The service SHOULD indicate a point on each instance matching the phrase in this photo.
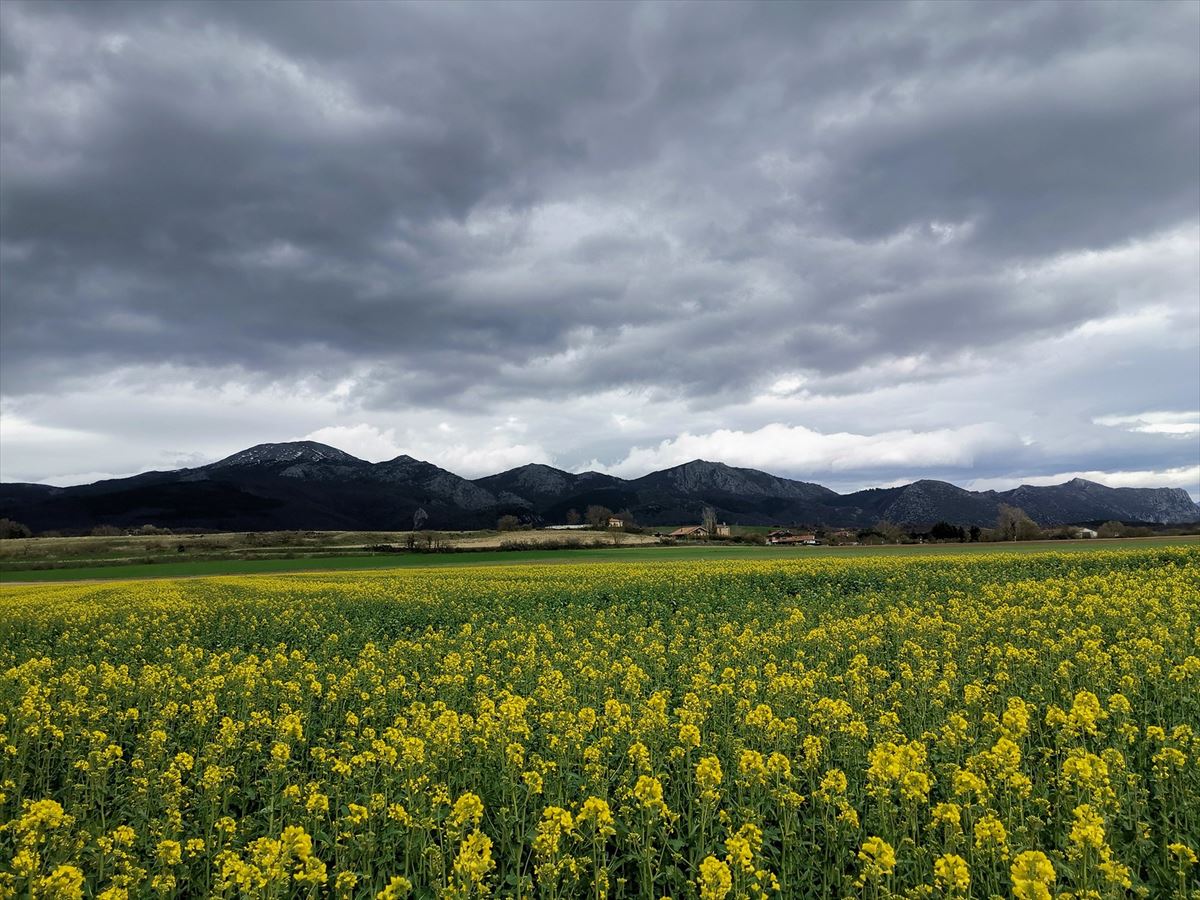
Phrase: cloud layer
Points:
(856, 241)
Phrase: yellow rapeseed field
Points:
(1017, 726)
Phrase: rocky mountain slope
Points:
(307, 485)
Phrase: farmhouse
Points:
(1085, 533)
(616, 522)
(789, 538)
(699, 531)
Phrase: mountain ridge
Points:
(310, 485)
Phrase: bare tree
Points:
(508, 523)
(11, 529)
(890, 532)
(434, 541)
(708, 521)
(1014, 525)
(419, 518)
(598, 516)
(573, 517)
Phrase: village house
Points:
(616, 522)
(787, 537)
(699, 531)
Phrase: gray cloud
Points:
(461, 211)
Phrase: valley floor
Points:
(103, 559)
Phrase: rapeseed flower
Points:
(1032, 874)
(715, 881)
(878, 860)
(951, 872)
(609, 730)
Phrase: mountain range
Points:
(312, 486)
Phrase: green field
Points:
(32, 553)
(652, 553)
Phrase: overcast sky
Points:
(845, 242)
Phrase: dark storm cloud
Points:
(221, 183)
(463, 205)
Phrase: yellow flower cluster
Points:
(1032, 874)
(1022, 726)
(952, 874)
(715, 880)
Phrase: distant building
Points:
(843, 537)
(616, 522)
(1085, 533)
(699, 531)
(786, 537)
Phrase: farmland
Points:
(105, 558)
(949, 725)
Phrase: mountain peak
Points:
(287, 452)
(536, 467)
(702, 476)
(696, 468)
(932, 484)
(531, 479)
